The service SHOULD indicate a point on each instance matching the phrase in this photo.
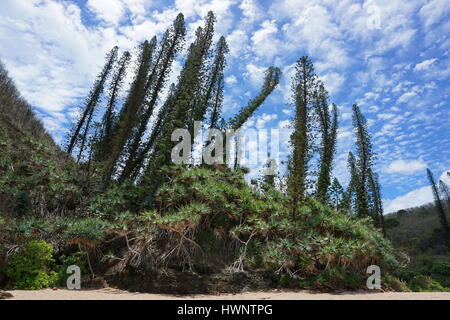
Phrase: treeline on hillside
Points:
(416, 230)
(14, 106)
(423, 229)
(132, 140)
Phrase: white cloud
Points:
(237, 42)
(385, 116)
(251, 10)
(255, 74)
(264, 40)
(445, 177)
(406, 97)
(412, 199)
(110, 11)
(231, 80)
(265, 118)
(57, 57)
(333, 81)
(424, 65)
(405, 166)
(433, 11)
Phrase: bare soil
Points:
(115, 294)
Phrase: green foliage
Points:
(304, 87)
(426, 273)
(29, 267)
(421, 283)
(391, 223)
(328, 124)
(91, 229)
(394, 283)
(320, 244)
(34, 179)
(80, 130)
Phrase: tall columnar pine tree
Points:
(210, 97)
(439, 206)
(304, 86)
(217, 89)
(271, 81)
(364, 161)
(445, 194)
(170, 46)
(328, 125)
(376, 200)
(350, 193)
(189, 82)
(109, 117)
(131, 110)
(336, 194)
(160, 122)
(77, 133)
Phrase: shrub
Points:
(425, 283)
(29, 267)
(256, 231)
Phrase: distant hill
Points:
(416, 230)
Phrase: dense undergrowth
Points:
(207, 221)
(36, 178)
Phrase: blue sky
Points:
(390, 57)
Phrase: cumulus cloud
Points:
(255, 74)
(251, 10)
(445, 177)
(265, 43)
(406, 166)
(57, 56)
(333, 81)
(110, 11)
(412, 199)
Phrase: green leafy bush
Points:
(29, 267)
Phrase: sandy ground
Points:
(114, 294)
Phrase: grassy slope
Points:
(35, 175)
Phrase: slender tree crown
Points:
(328, 126)
(78, 134)
(364, 161)
(304, 90)
(439, 206)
